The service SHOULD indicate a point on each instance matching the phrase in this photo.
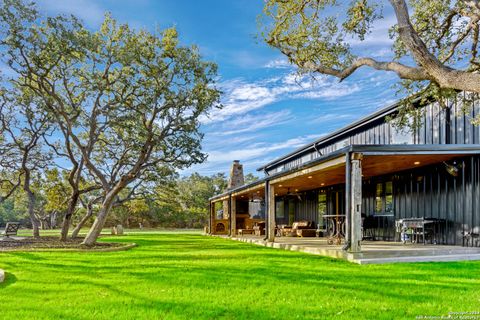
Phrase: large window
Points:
(384, 197)
(280, 209)
(322, 206)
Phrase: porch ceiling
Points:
(250, 193)
(328, 173)
(311, 181)
(372, 165)
(375, 165)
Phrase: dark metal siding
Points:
(307, 209)
(423, 192)
(432, 192)
(440, 126)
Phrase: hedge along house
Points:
(369, 172)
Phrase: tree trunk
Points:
(31, 212)
(97, 226)
(67, 218)
(82, 222)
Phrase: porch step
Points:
(429, 258)
(375, 254)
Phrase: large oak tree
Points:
(435, 42)
(129, 100)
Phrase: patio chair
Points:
(11, 229)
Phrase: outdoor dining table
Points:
(335, 227)
(419, 228)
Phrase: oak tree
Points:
(435, 48)
(129, 100)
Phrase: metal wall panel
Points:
(440, 126)
(422, 192)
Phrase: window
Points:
(379, 197)
(291, 211)
(388, 196)
(280, 209)
(322, 206)
(384, 197)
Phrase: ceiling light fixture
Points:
(416, 163)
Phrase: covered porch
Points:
(355, 195)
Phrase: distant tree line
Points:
(180, 202)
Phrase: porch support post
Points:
(233, 216)
(212, 217)
(356, 202)
(270, 197)
(209, 231)
(229, 213)
(348, 206)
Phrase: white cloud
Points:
(241, 96)
(281, 63)
(330, 93)
(258, 149)
(87, 10)
(252, 156)
(378, 35)
(253, 122)
(332, 117)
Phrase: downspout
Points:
(348, 199)
(316, 149)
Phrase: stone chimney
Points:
(234, 180)
(236, 175)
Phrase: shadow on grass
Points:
(175, 276)
(9, 280)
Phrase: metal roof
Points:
(311, 146)
(390, 149)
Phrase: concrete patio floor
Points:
(373, 252)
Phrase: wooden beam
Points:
(348, 206)
(212, 217)
(225, 197)
(356, 203)
(271, 213)
(233, 218)
(258, 187)
(321, 166)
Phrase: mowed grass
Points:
(174, 275)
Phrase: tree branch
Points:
(444, 76)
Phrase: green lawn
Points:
(190, 276)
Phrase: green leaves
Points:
(360, 17)
(310, 31)
(435, 49)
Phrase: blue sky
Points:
(268, 111)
